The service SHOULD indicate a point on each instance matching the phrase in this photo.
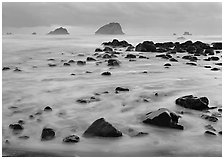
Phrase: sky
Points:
(136, 18)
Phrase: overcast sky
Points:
(135, 18)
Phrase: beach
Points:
(26, 92)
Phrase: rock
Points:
(142, 57)
(87, 100)
(90, 59)
(89, 72)
(220, 109)
(130, 56)
(206, 66)
(72, 74)
(21, 122)
(106, 56)
(120, 89)
(34, 33)
(17, 70)
(16, 127)
(214, 58)
(209, 51)
(81, 62)
(52, 65)
(219, 64)
(209, 118)
(31, 117)
(163, 117)
(215, 69)
(106, 73)
(25, 137)
(164, 56)
(167, 64)
(191, 63)
(47, 109)
(71, 139)
(146, 46)
(108, 49)
(191, 49)
(192, 102)
(66, 64)
(209, 133)
(111, 28)
(102, 128)
(217, 46)
(98, 50)
(116, 43)
(130, 48)
(173, 60)
(71, 61)
(59, 31)
(210, 127)
(220, 132)
(131, 60)
(47, 134)
(113, 62)
(5, 68)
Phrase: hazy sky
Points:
(202, 18)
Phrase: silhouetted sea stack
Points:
(111, 28)
(59, 31)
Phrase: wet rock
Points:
(25, 137)
(141, 134)
(52, 65)
(173, 60)
(217, 46)
(146, 46)
(209, 133)
(113, 62)
(167, 64)
(16, 126)
(219, 64)
(191, 49)
(192, 102)
(102, 128)
(206, 66)
(21, 122)
(66, 64)
(220, 109)
(81, 62)
(164, 118)
(47, 134)
(106, 56)
(71, 139)
(130, 56)
(209, 51)
(120, 89)
(191, 63)
(5, 68)
(47, 109)
(142, 57)
(106, 73)
(220, 132)
(71, 61)
(109, 49)
(98, 50)
(17, 70)
(209, 118)
(214, 58)
(210, 127)
(215, 69)
(90, 59)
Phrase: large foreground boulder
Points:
(163, 117)
(102, 128)
(192, 102)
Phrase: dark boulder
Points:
(47, 109)
(108, 49)
(191, 49)
(146, 46)
(71, 139)
(121, 89)
(209, 51)
(106, 56)
(164, 118)
(219, 64)
(113, 62)
(217, 46)
(192, 102)
(52, 65)
(209, 133)
(90, 59)
(173, 60)
(167, 64)
(215, 69)
(98, 50)
(117, 43)
(214, 58)
(66, 64)
(16, 127)
(206, 66)
(71, 61)
(111, 29)
(209, 118)
(5, 68)
(17, 70)
(102, 128)
(58, 31)
(130, 56)
(47, 134)
(81, 62)
(191, 63)
(106, 73)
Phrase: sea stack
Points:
(111, 29)
(59, 31)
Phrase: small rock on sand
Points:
(47, 134)
(47, 109)
(71, 139)
(106, 73)
(210, 133)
